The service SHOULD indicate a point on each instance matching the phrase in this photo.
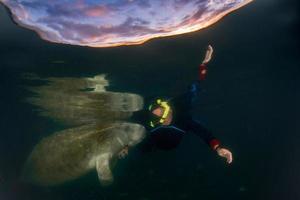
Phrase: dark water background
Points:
(251, 102)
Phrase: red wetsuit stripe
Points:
(202, 71)
(214, 143)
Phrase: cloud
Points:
(104, 23)
(96, 11)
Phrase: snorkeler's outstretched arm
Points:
(208, 54)
(203, 65)
(195, 88)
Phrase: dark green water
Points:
(251, 102)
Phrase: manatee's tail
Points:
(79, 101)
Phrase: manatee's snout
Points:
(136, 137)
(135, 133)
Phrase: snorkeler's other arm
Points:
(203, 65)
(209, 139)
(215, 145)
(196, 127)
(225, 153)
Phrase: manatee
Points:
(71, 153)
(97, 131)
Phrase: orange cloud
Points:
(96, 11)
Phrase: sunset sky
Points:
(116, 22)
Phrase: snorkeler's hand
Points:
(225, 153)
(123, 153)
(208, 54)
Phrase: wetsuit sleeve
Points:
(203, 133)
(195, 87)
(202, 72)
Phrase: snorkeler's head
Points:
(161, 113)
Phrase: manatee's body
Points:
(72, 153)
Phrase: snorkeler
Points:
(111, 123)
(168, 120)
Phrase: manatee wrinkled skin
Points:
(71, 153)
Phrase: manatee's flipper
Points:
(79, 101)
(121, 135)
(103, 168)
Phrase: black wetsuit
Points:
(169, 137)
